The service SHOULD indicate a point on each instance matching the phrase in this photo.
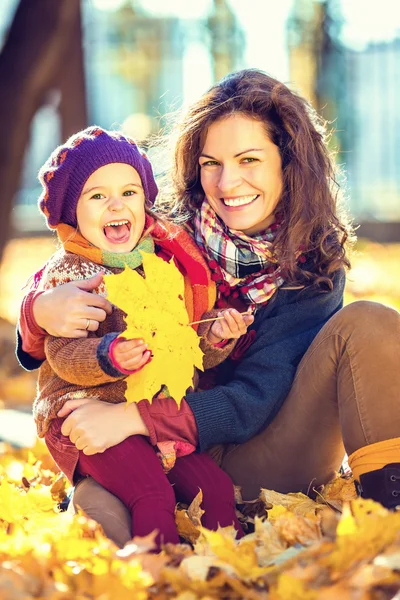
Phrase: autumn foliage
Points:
(333, 548)
(295, 549)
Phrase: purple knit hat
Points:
(65, 173)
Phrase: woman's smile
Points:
(239, 201)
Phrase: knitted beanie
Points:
(65, 173)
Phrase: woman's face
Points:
(110, 209)
(241, 173)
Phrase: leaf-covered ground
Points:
(295, 548)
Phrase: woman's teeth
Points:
(242, 201)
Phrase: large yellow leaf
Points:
(156, 313)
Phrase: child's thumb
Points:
(89, 284)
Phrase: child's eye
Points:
(97, 196)
(129, 193)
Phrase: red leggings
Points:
(132, 472)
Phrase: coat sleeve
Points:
(260, 382)
(165, 421)
(82, 361)
(30, 337)
(213, 355)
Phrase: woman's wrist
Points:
(131, 420)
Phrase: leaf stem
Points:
(215, 318)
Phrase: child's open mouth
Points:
(117, 232)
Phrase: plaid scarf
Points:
(240, 263)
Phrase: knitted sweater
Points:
(76, 368)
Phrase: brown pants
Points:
(346, 394)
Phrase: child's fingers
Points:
(130, 346)
(248, 319)
(137, 363)
(228, 325)
(236, 322)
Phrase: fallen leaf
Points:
(299, 503)
(195, 512)
(188, 521)
(337, 492)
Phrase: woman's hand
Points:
(71, 310)
(93, 425)
(131, 355)
(231, 326)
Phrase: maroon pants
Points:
(132, 472)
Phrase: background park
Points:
(65, 64)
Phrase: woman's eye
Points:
(209, 163)
(249, 159)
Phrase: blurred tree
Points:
(42, 51)
(227, 39)
(318, 63)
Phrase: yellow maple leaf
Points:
(156, 313)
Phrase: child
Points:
(97, 192)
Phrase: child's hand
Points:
(131, 355)
(233, 325)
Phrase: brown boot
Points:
(382, 485)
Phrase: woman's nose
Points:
(229, 179)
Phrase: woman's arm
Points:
(100, 425)
(63, 311)
(259, 384)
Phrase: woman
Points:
(311, 380)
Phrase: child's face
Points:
(110, 209)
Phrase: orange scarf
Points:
(171, 241)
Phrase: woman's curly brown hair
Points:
(310, 207)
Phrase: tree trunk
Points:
(37, 43)
(71, 83)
